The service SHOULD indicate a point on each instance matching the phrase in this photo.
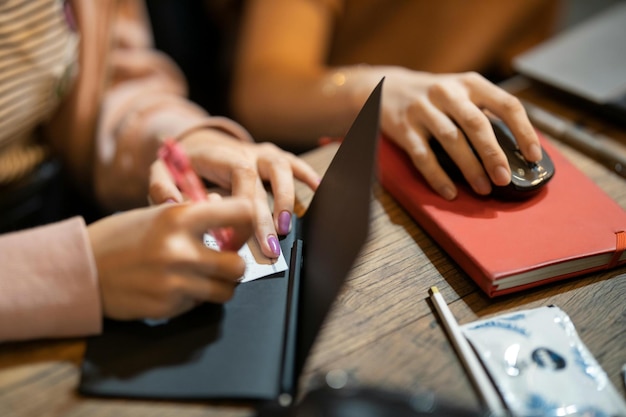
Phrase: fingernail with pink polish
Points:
(274, 245)
(170, 200)
(284, 222)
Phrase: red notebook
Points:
(571, 227)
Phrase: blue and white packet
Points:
(541, 367)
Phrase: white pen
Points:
(600, 147)
(472, 364)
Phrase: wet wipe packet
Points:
(541, 367)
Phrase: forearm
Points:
(282, 91)
(144, 103)
(295, 108)
(127, 143)
(48, 283)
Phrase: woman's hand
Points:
(242, 167)
(451, 108)
(152, 262)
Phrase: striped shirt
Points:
(38, 55)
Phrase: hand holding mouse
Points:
(527, 177)
(451, 109)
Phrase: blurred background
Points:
(201, 36)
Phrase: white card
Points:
(257, 264)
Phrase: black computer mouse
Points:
(527, 178)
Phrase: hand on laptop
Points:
(242, 167)
(152, 262)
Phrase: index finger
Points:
(229, 212)
(247, 184)
(304, 172)
(473, 121)
(510, 109)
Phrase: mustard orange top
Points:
(438, 36)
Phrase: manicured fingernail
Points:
(284, 222)
(502, 176)
(448, 192)
(482, 186)
(170, 200)
(535, 153)
(274, 245)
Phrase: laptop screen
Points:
(336, 222)
(252, 347)
(587, 61)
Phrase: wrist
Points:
(220, 125)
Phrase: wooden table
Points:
(382, 329)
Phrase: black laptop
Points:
(254, 346)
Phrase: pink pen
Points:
(188, 181)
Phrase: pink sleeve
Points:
(145, 102)
(48, 283)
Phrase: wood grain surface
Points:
(382, 329)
